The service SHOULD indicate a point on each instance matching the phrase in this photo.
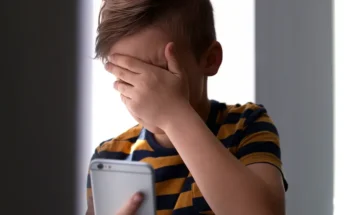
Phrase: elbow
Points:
(275, 206)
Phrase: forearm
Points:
(226, 184)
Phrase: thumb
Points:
(131, 207)
(172, 59)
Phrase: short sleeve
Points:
(260, 141)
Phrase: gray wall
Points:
(39, 151)
(294, 80)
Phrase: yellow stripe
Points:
(164, 212)
(233, 150)
(264, 118)
(184, 200)
(261, 157)
(163, 161)
(141, 145)
(196, 191)
(116, 146)
(229, 129)
(132, 132)
(168, 187)
(261, 136)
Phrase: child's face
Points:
(149, 46)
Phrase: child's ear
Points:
(212, 59)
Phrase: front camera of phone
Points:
(100, 166)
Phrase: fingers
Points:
(172, 60)
(121, 73)
(124, 88)
(131, 207)
(129, 63)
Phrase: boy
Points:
(208, 157)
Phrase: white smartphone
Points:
(114, 182)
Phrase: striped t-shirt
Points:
(246, 131)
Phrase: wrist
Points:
(178, 114)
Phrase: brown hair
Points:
(187, 21)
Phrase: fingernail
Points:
(138, 198)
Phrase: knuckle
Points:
(116, 85)
(120, 74)
(107, 66)
(120, 87)
(112, 58)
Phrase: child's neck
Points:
(203, 109)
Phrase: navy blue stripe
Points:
(166, 202)
(141, 154)
(184, 211)
(250, 114)
(232, 118)
(200, 204)
(269, 147)
(211, 121)
(133, 139)
(247, 113)
(215, 129)
(112, 155)
(95, 155)
(160, 150)
(171, 172)
(89, 184)
(258, 127)
(253, 116)
(136, 156)
(102, 143)
(233, 140)
(187, 184)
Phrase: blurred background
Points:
(289, 55)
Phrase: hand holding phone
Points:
(122, 187)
